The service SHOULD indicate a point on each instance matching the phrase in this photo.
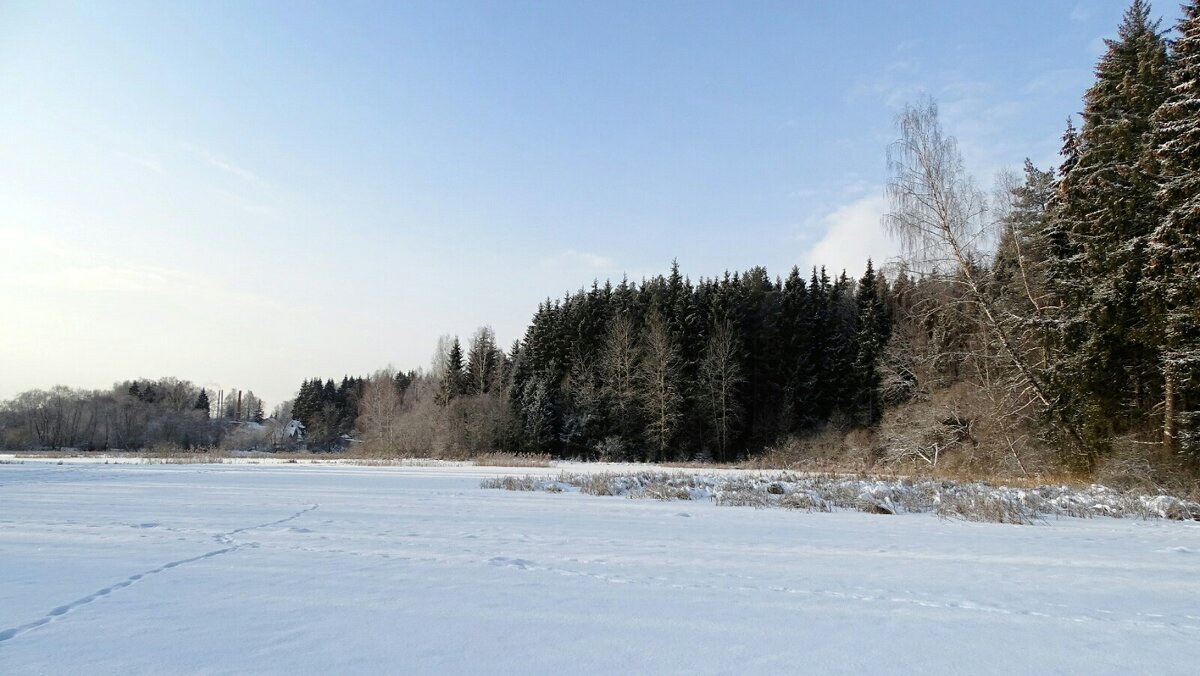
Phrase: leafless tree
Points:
(619, 366)
(483, 361)
(721, 374)
(379, 412)
(659, 384)
(441, 356)
(942, 220)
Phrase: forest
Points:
(1048, 325)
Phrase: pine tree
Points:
(1173, 267)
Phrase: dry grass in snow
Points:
(971, 501)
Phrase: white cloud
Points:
(143, 279)
(34, 260)
(25, 246)
(223, 164)
(144, 161)
(575, 260)
(853, 233)
(894, 91)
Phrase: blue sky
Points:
(249, 194)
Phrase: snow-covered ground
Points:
(304, 569)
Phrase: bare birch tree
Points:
(721, 374)
(942, 221)
(441, 356)
(660, 391)
(619, 364)
(483, 361)
(379, 413)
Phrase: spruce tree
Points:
(870, 338)
(1110, 207)
(1063, 328)
(483, 362)
(1173, 265)
(202, 404)
(1017, 270)
(453, 379)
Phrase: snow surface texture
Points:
(330, 569)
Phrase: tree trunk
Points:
(1169, 418)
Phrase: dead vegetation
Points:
(512, 483)
(968, 501)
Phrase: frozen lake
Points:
(108, 569)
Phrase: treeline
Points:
(661, 370)
(132, 415)
(1056, 324)
(669, 370)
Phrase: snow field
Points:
(331, 569)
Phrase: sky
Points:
(248, 194)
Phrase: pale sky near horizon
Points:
(250, 194)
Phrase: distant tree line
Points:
(132, 415)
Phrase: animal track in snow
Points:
(223, 538)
